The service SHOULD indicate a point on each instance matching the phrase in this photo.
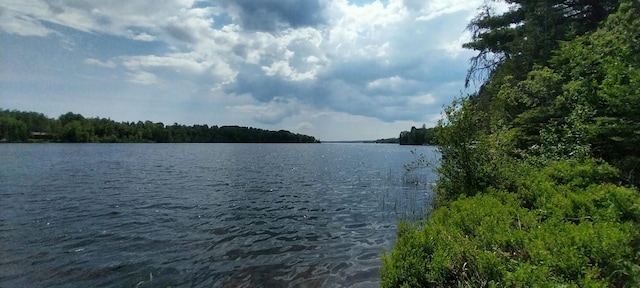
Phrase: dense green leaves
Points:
(418, 136)
(530, 191)
(13, 129)
(527, 34)
(17, 126)
(585, 100)
(599, 103)
(569, 235)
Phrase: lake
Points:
(204, 215)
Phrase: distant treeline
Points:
(418, 136)
(19, 126)
(388, 141)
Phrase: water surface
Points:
(203, 215)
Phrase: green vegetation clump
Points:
(564, 225)
(18, 126)
(417, 136)
(539, 172)
(387, 141)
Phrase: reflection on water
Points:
(205, 215)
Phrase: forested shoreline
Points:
(23, 127)
(539, 184)
(418, 136)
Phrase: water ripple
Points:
(200, 215)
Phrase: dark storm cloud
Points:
(269, 15)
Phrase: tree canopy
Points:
(418, 136)
(540, 169)
(527, 34)
(580, 92)
(19, 126)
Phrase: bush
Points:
(472, 159)
(577, 231)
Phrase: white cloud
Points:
(385, 61)
(142, 77)
(110, 16)
(21, 24)
(179, 61)
(143, 37)
(436, 8)
(363, 30)
(96, 62)
(390, 84)
(426, 99)
(454, 48)
(181, 65)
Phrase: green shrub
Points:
(577, 231)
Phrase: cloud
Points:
(142, 37)
(142, 77)
(109, 16)
(96, 62)
(21, 24)
(433, 9)
(426, 99)
(329, 125)
(273, 15)
(271, 113)
(396, 61)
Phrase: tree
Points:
(586, 99)
(77, 132)
(70, 127)
(526, 34)
(11, 129)
(70, 117)
(523, 188)
(417, 136)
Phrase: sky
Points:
(332, 69)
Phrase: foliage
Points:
(18, 126)
(12, 129)
(527, 34)
(387, 141)
(587, 100)
(472, 159)
(581, 104)
(417, 136)
(530, 192)
(420, 162)
(576, 230)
